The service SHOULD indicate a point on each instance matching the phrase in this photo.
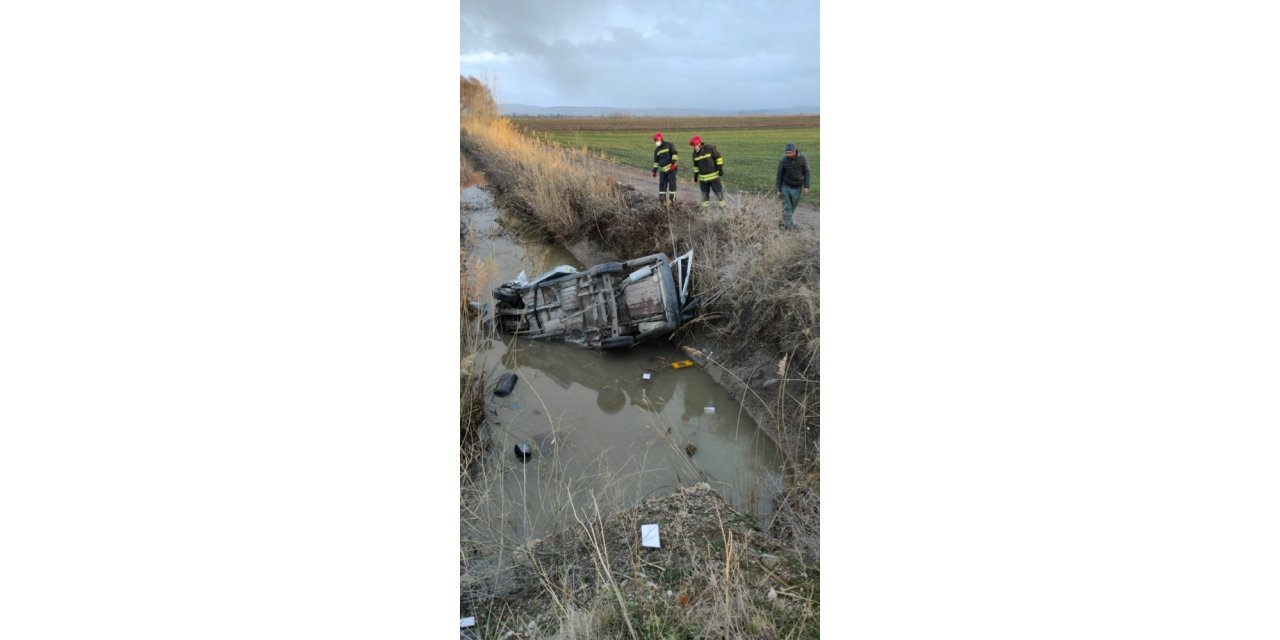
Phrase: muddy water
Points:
(607, 429)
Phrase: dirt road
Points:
(806, 215)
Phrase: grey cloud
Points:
(740, 55)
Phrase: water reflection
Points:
(643, 378)
(629, 414)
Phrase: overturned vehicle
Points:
(614, 305)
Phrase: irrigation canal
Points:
(606, 429)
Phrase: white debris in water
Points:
(710, 409)
(647, 375)
(467, 622)
(649, 536)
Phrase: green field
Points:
(750, 154)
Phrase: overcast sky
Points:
(745, 54)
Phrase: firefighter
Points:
(708, 169)
(664, 168)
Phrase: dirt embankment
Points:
(743, 373)
(806, 215)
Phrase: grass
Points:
(750, 154)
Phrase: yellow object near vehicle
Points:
(681, 364)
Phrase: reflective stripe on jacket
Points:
(663, 155)
(707, 163)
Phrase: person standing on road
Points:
(708, 169)
(664, 167)
(792, 181)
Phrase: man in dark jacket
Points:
(708, 169)
(664, 167)
(792, 181)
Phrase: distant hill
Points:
(532, 110)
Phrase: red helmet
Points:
(695, 141)
(657, 136)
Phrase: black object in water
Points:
(523, 451)
(506, 383)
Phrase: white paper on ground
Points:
(467, 622)
(649, 535)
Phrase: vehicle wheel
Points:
(508, 296)
(618, 342)
(603, 268)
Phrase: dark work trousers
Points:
(667, 186)
(706, 192)
(790, 200)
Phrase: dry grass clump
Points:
(796, 518)
(760, 282)
(471, 383)
(645, 228)
(471, 374)
(557, 187)
(715, 576)
(475, 98)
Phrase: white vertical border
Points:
(1050, 320)
(226, 410)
